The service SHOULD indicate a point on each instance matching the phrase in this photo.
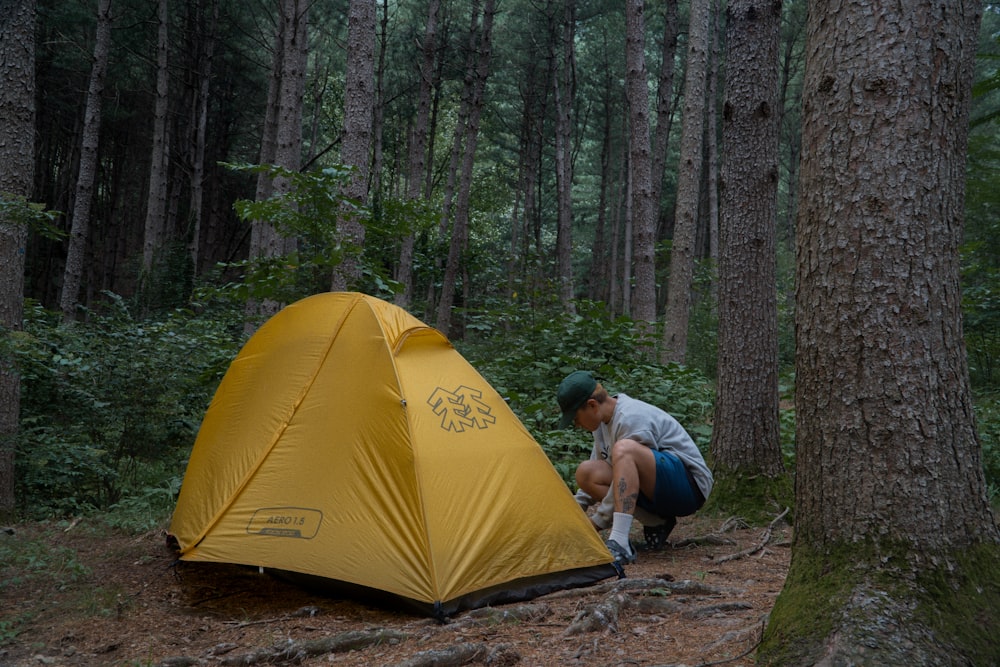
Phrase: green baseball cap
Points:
(573, 392)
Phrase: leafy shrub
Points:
(107, 401)
(524, 351)
(988, 422)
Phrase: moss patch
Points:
(887, 603)
(755, 498)
(961, 602)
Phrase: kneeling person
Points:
(643, 463)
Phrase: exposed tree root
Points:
(294, 652)
(453, 656)
(760, 545)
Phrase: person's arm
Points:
(605, 512)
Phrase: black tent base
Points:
(519, 590)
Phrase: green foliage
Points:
(24, 559)
(525, 349)
(307, 208)
(18, 210)
(110, 406)
(988, 423)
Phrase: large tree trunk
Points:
(17, 162)
(682, 254)
(640, 167)
(896, 550)
(745, 442)
(359, 100)
(80, 226)
(156, 201)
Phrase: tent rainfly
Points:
(350, 446)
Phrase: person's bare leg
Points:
(633, 471)
(594, 477)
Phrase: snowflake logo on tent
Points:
(461, 409)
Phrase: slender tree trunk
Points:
(281, 141)
(640, 167)
(601, 252)
(80, 227)
(711, 247)
(745, 440)
(460, 227)
(664, 105)
(563, 95)
(156, 202)
(895, 554)
(682, 254)
(359, 100)
(417, 164)
(17, 162)
(200, 139)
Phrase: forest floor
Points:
(79, 594)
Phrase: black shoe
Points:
(656, 536)
(622, 556)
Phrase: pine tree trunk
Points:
(156, 202)
(200, 139)
(682, 254)
(664, 103)
(563, 95)
(640, 164)
(460, 227)
(417, 163)
(80, 227)
(745, 439)
(17, 162)
(359, 100)
(896, 549)
(281, 141)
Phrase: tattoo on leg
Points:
(629, 501)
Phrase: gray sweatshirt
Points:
(648, 424)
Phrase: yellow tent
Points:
(351, 444)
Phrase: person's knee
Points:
(592, 476)
(626, 448)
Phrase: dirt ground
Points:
(130, 605)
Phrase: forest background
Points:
(495, 201)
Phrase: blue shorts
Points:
(676, 492)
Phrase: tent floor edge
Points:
(518, 590)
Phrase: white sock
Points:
(620, 528)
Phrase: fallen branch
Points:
(294, 652)
(760, 545)
(453, 656)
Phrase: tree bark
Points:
(664, 104)
(417, 163)
(200, 138)
(896, 549)
(80, 227)
(156, 201)
(745, 435)
(17, 161)
(682, 254)
(359, 100)
(640, 167)
(281, 140)
(563, 95)
(479, 72)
